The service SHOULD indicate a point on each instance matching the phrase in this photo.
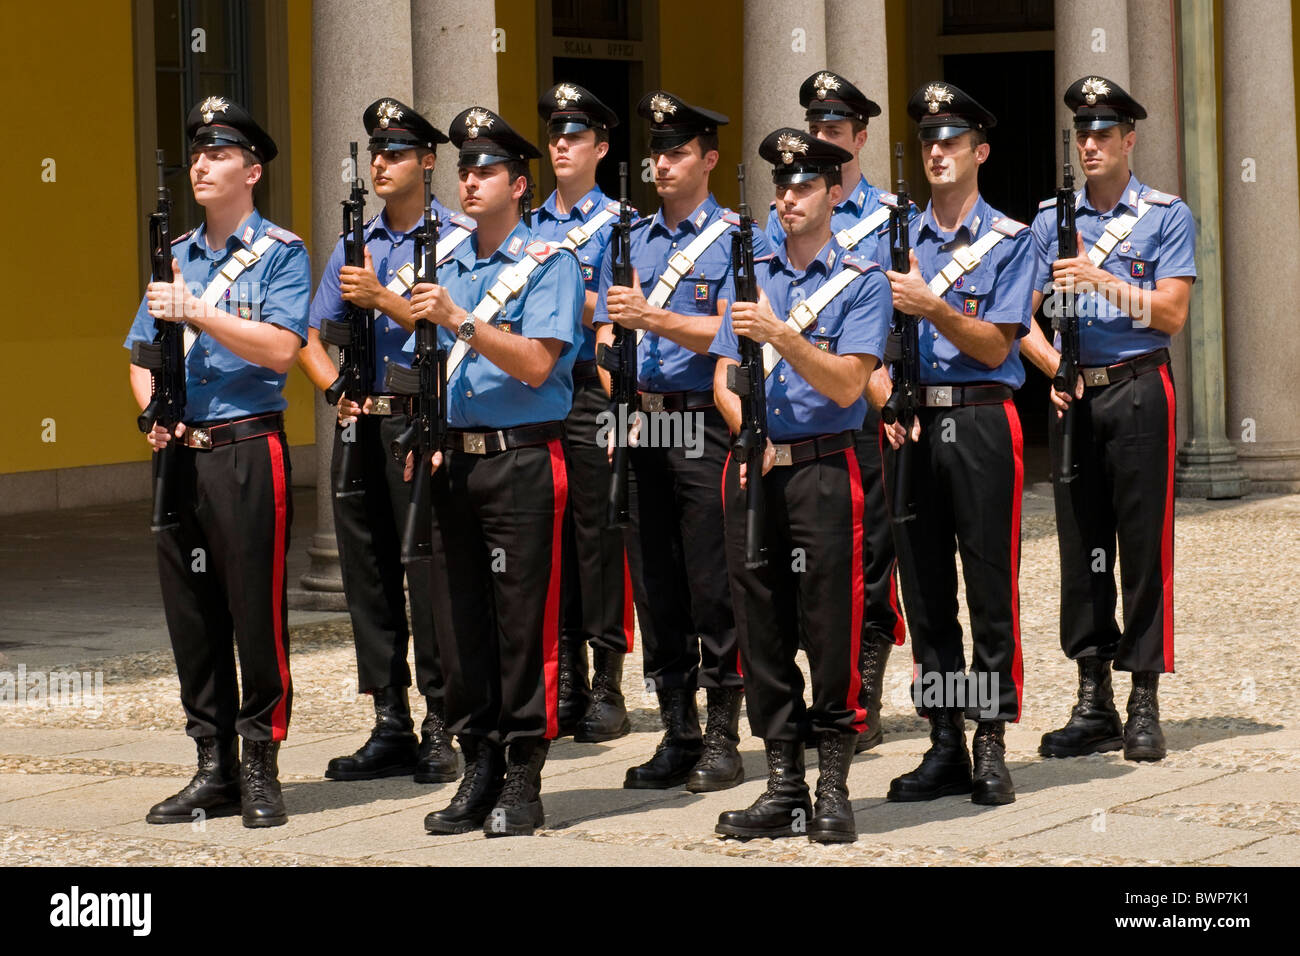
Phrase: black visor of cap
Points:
(672, 137)
(943, 127)
(789, 175)
(1099, 119)
(221, 136)
(487, 155)
(830, 111)
(571, 123)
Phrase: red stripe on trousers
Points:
(859, 591)
(629, 610)
(1018, 449)
(900, 628)
(551, 624)
(279, 719)
(1167, 531)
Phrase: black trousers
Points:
(967, 479)
(882, 617)
(496, 589)
(222, 575)
(597, 583)
(809, 594)
(676, 552)
(368, 528)
(1124, 491)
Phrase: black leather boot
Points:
(213, 791)
(871, 662)
(720, 766)
(945, 768)
(1094, 725)
(436, 760)
(391, 749)
(1143, 738)
(574, 692)
(485, 767)
(783, 809)
(992, 785)
(518, 810)
(678, 750)
(832, 819)
(259, 785)
(606, 716)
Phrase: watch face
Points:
(466, 331)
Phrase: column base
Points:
(1206, 470)
(322, 585)
(1272, 467)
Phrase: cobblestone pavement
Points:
(76, 778)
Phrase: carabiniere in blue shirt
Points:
(548, 224)
(857, 205)
(855, 322)
(999, 289)
(1162, 244)
(390, 250)
(663, 365)
(481, 395)
(219, 385)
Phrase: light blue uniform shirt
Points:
(855, 322)
(999, 290)
(220, 385)
(389, 251)
(481, 395)
(663, 365)
(1162, 244)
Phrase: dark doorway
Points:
(1021, 172)
(609, 80)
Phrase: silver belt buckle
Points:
(381, 404)
(198, 438)
(475, 443)
(938, 396)
(782, 455)
(652, 402)
(1093, 377)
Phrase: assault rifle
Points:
(355, 337)
(1065, 314)
(164, 357)
(619, 359)
(905, 399)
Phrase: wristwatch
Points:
(466, 330)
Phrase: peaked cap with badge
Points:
(798, 156)
(220, 121)
(570, 108)
(391, 124)
(829, 96)
(1099, 103)
(674, 122)
(484, 138)
(943, 111)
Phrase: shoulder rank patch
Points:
(1047, 203)
(1159, 198)
(887, 199)
(465, 222)
(769, 256)
(185, 235)
(1008, 226)
(731, 217)
(284, 235)
(859, 263)
(541, 251)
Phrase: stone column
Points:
(1157, 158)
(1207, 462)
(855, 48)
(1261, 235)
(785, 40)
(1091, 37)
(353, 64)
(454, 68)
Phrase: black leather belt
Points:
(948, 396)
(207, 435)
(675, 401)
(1110, 374)
(798, 452)
(584, 373)
(486, 443)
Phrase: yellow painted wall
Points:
(517, 70)
(71, 267)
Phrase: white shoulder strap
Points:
(579, 235)
(405, 279)
(848, 238)
(680, 263)
(240, 261)
(805, 313)
(508, 285)
(1116, 230)
(964, 260)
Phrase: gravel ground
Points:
(1235, 602)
